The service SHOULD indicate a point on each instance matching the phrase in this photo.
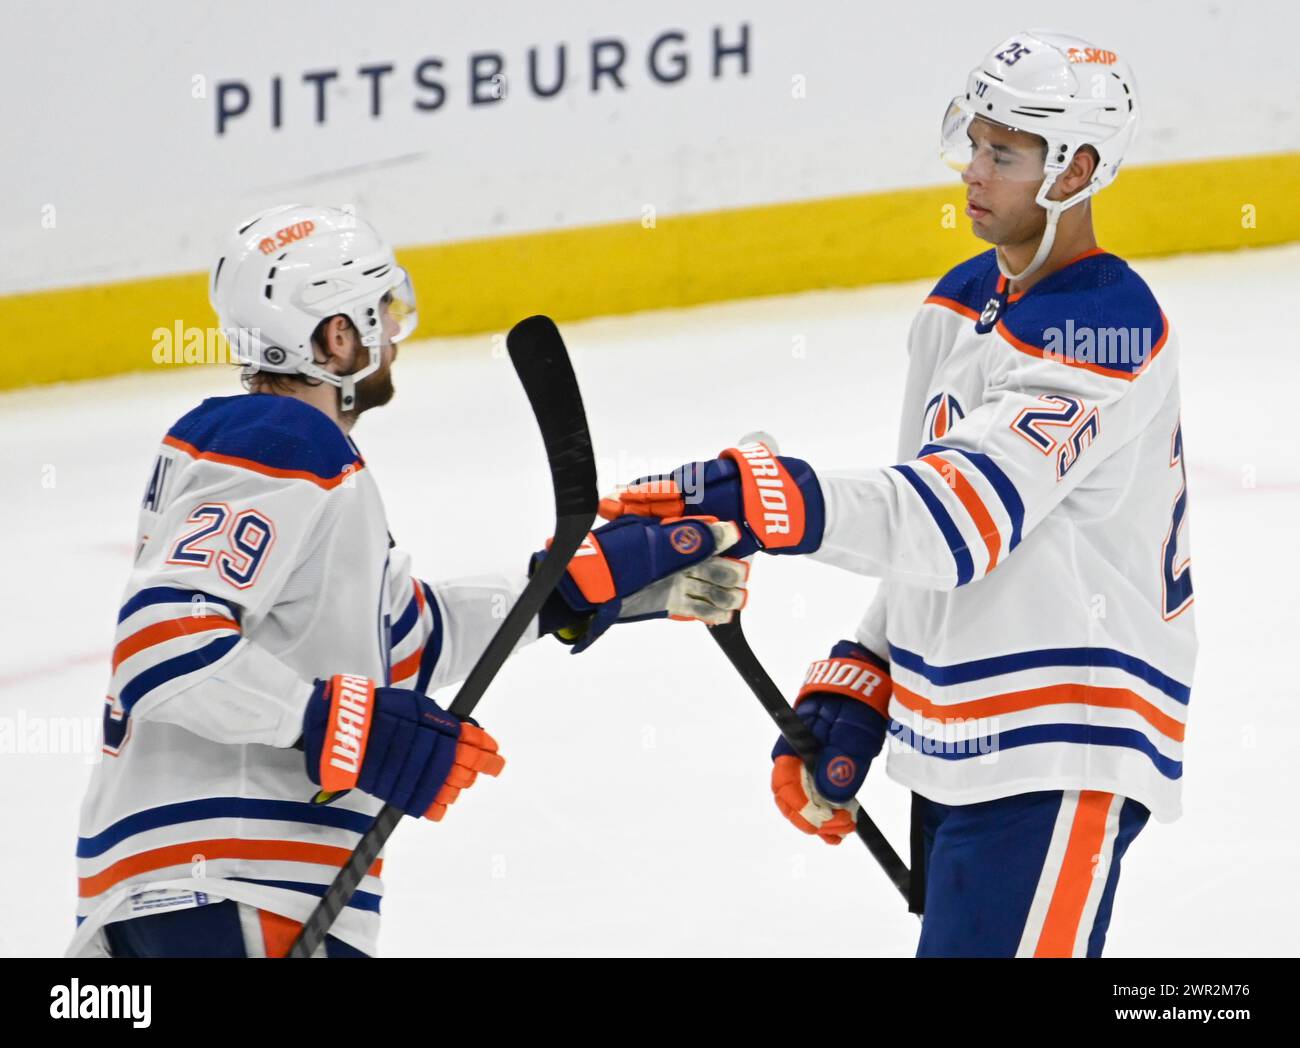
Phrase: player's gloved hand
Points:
(636, 568)
(394, 744)
(776, 499)
(845, 702)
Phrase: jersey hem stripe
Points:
(227, 848)
(994, 666)
(1015, 738)
(1038, 698)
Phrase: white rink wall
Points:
(144, 127)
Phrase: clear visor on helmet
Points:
(398, 305)
(991, 150)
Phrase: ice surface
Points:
(634, 816)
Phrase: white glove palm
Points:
(710, 591)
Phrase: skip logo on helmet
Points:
(286, 236)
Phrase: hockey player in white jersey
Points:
(275, 654)
(1030, 650)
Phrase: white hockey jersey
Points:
(1035, 604)
(263, 563)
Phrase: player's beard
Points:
(375, 390)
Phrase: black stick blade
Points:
(542, 363)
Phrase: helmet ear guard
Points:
(346, 384)
(389, 293)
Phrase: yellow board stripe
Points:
(487, 285)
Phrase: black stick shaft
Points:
(730, 637)
(542, 363)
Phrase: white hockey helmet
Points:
(288, 268)
(1062, 89)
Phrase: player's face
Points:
(1002, 179)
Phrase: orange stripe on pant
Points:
(1075, 881)
(226, 848)
(969, 498)
(278, 932)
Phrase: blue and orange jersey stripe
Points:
(328, 483)
(997, 480)
(189, 662)
(1038, 735)
(1097, 696)
(962, 560)
(207, 808)
(1096, 369)
(152, 595)
(421, 661)
(974, 505)
(168, 629)
(954, 305)
(1040, 658)
(409, 620)
(220, 848)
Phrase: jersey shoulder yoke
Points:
(273, 435)
(967, 287)
(1096, 313)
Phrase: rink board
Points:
(487, 284)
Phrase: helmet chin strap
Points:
(345, 384)
(348, 383)
(347, 394)
(1054, 209)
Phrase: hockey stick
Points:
(542, 364)
(731, 639)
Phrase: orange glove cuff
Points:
(852, 678)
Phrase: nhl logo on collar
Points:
(992, 311)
